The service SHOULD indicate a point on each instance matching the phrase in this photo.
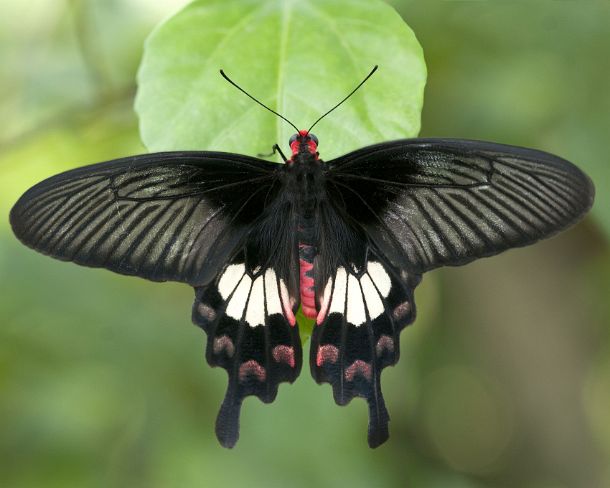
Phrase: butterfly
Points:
(346, 240)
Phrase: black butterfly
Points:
(347, 240)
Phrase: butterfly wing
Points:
(162, 216)
(363, 303)
(398, 209)
(248, 336)
(248, 315)
(216, 221)
(447, 202)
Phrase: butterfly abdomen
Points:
(307, 181)
(306, 280)
(307, 253)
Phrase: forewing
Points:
(447, 202)
(162, 216)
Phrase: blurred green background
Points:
(504, 380)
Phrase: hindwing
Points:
(252, 334)
(363, 309)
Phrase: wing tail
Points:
(378, 417)
(227, 422)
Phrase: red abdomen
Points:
(308, 297)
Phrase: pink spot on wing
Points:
(284, 354)
(384, 343)
(224, 343)
(401, 310)
(252, 368)
(325, 302)
(358, 367)
(287, 304)
(206, 312)
(327, 353)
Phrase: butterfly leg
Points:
(274, 149)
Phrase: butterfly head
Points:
(304, 141)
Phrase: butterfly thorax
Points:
(306, 178)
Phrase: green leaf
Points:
(305, 325)
(298, 57)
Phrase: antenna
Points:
(258, 101)
(284, 118)
(349, 95)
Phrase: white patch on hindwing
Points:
(272, 295)
(380, 277)
(255, 314)
(356, 313)
(229, 279)
(371, 295)
(237, 302)
(338, 299)
(245, 297)
(367, 291)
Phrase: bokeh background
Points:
(504, 380)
